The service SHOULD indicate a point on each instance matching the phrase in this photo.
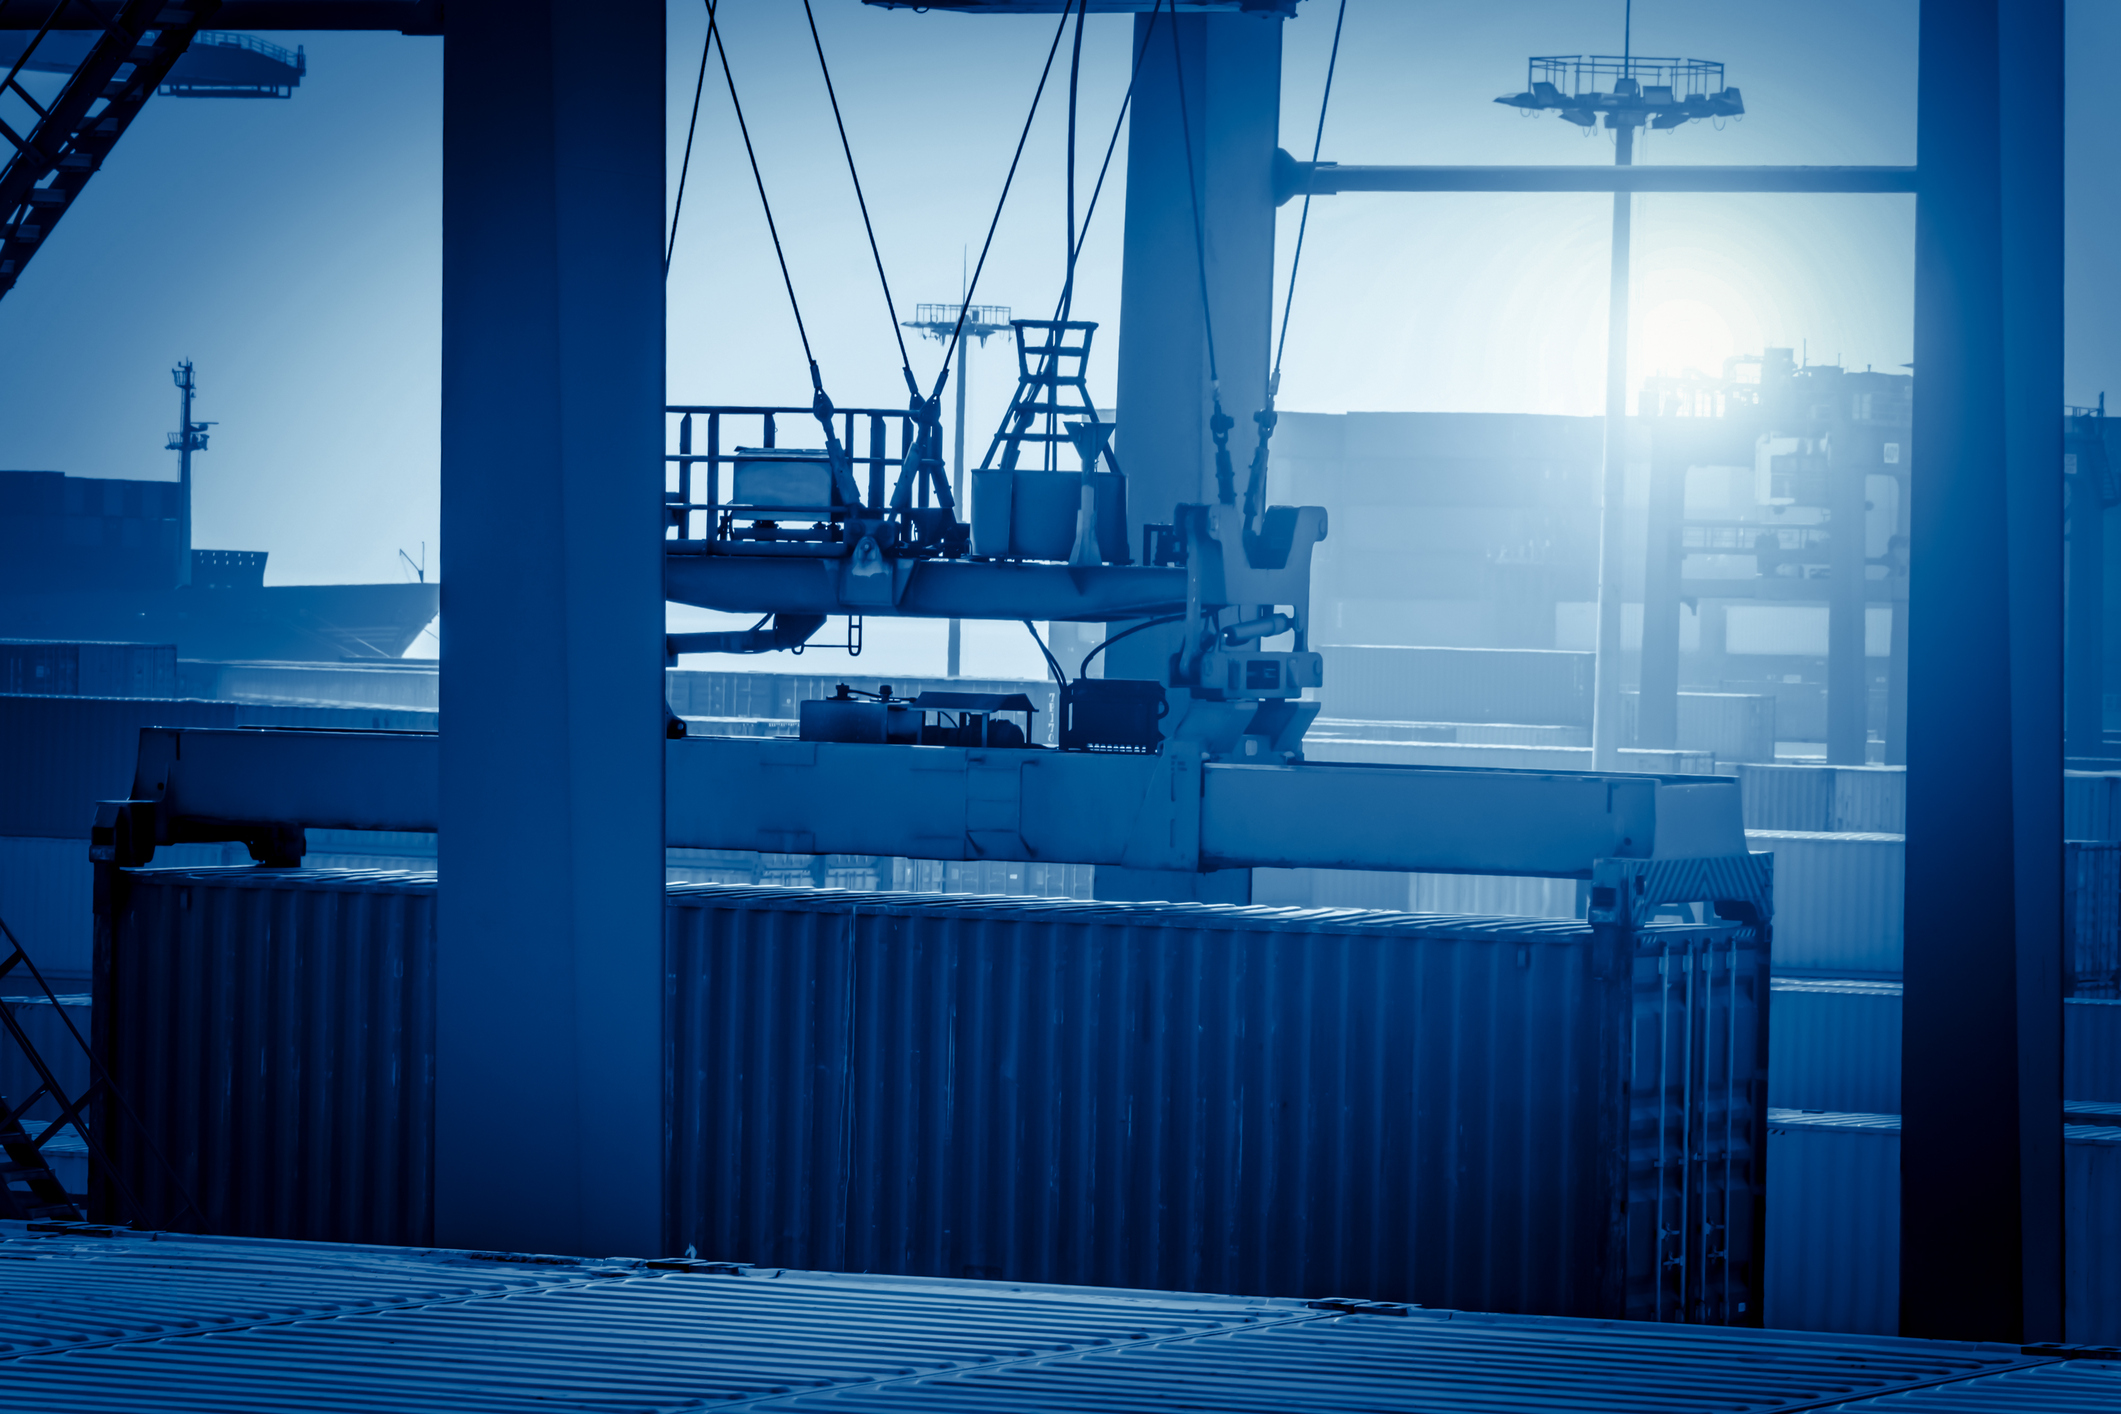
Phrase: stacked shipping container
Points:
(1489, 1113)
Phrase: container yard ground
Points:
(94, 1319)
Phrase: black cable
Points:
(1200, 240)
(1075, 73)
(691, 130)
(1082, 669)
(714, 37)
(1296, 262)
(964, 307)
(889, 304)
(1051, 661)
(1067, 299)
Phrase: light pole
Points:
(1662, 93)
(190, 437)
(940, 321)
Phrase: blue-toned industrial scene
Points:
(1276, 706)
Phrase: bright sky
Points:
(293, 249)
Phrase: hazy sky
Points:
(293, 249)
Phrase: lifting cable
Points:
(926, 456)
(890, 306)
(1256, 478)
(820, 405)
(1064, 306)
(1067, 299)
(692, 129)
(958, 333)
(1219, 422)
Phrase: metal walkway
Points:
(97, 1320)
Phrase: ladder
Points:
(29, 1190)
(48, 167)
(1047, 366)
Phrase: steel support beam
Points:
(1232, 87)
(1171, 812)
(1657, 686)
(1294, 179)
(1982, 1116)
(548, 1133)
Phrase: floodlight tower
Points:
(189, 437)
(940, 321)
(1659, 93)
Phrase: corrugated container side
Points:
(128, 670)
(1473, 1113)
(1191, 1098)
(1833, 1242)
(1835, 1045)
(1468, 733)
(1731, 726)
(1870, 800)
(1542, 687)
(60, 755)
(45, 1026)
(47, 896)
(2088, 805)
(2091, 1049)
(1340, 888)
(2091, 882)
(1493, 757)
(1833, 1238)
(1786, 797)
(2091, 1158)
(1839, 900)
(1499, 895)
(276, 1031)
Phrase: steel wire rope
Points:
(1067, 299)
(1200, 240)
(1266, 418)
(714, 39)
(692, 129)
(890, 305)
(1296, 261)
(1219, 422)
(958, 332)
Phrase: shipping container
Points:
(1030, 1033)
(59, 1033)
(2091, 1049)
(1835, 1045)
(1469, 733)
(1825, 799)
(59, 756)
(48, 899)
(198, 1326)
(1338, 888)
(1833, 1221)
(1491, 1113)
(1833, 1238)
(46, 668)
(1839, 900)
(1496, 757)
(274, 1030)
(414, 686)
(2091, 883)
(1538, 687)
(1730, 726)
(2091, 1219)
(2091, 805)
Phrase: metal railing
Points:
(698, 481)
(1580, 75)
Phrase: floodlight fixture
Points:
(1628, 91)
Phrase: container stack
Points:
(1496, 1114)
(1837, 834)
